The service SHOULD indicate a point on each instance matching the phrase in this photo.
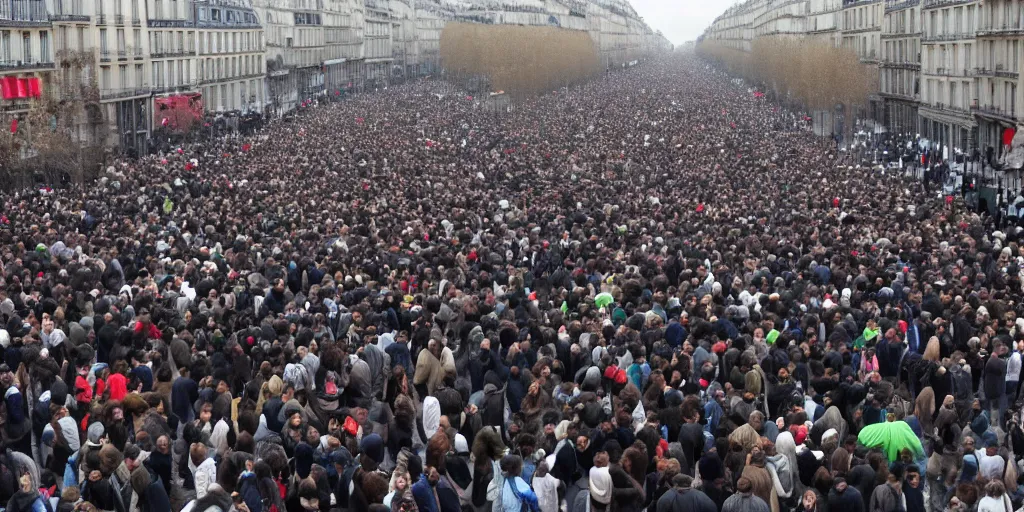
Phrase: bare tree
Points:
(811, 74)
(521, 60)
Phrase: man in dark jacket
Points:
(184, 393)
(683, 498)
(995, 383)
(845, 498)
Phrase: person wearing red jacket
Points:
(145, 324)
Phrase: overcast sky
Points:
(681, 20)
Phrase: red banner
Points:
(9, 86)
(22, 90)
(35, 88)
(14, 125)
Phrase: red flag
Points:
(9, 86)
(188, 166)
(246, 146)
(700, 208)
(14, 125)
(1008, 134)
(35, 88)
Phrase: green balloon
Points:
(603, 299)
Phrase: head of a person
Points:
(197, 452)
(809, 499)
(744, 485)
(511, 465)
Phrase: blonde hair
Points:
(932, 351)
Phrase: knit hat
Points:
(95, 432)
(711, 467)
(373, 446)
(303, 459)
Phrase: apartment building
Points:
(997, 98)
(118, 39)
(862, 32)
(343, 36)
(26, 46)
(823, 21)
(900, 67)
(296, 49)
(862, 28)
(430, 20)
(788, 18)
(947, 71)
(231, 56)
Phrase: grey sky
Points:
(680, 20)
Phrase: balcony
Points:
(948, 72)
(895, 5)
(997, 113)
(915, 98)
(136, 21)
(101, 19)
(161, 54)
(122, 54)
(17, 65)
(70, 18)
(119, 19)
(105, 56)
(137, 53)
(949, 108)
(165, 89)
(169, 23)
(932, 4)
(901, 65)
(942, 38)
(1005, 31)
(897, 35)
(120, 94)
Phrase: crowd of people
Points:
(652, 292)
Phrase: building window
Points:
(26, 47)
(44, 47)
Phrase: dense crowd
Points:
(653, 291)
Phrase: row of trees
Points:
(56, 140)
(814, 74)
(521, 60)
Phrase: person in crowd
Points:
(649, 291)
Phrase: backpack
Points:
(526, 504)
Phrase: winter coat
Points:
(205, 475)
(849, 500)
(762, 486)
(887, 499)
(741, 502)
(685, 500)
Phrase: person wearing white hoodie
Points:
(995, 499)
(1013, 367)
(203, 468)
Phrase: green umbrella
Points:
(893, 437)
(603, 299)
